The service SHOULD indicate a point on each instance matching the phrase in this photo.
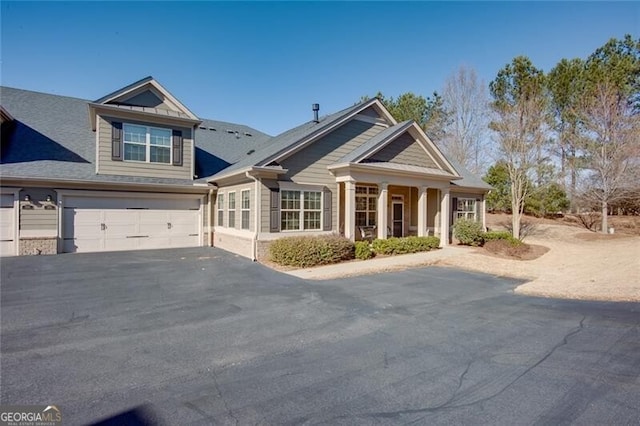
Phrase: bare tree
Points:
(465, 99)
(612, 146)
(521, 112)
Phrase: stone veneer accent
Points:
(38, 245)
(263, 250)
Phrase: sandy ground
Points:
(579, 265)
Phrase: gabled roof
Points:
(469, 180)
(51, 139)
(149, 82)
(297, 137)
(375, 142)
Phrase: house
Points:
(136, 169)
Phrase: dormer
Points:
(143, 130)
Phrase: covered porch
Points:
(395, 208)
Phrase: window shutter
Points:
(116, 141)
(326, 210)
(275, 210)
(454, 210)
(177, 148)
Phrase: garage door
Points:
(7, 225)
(110, 224)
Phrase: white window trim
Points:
(301, 211)
(231, 211)
(243, 209)
(473, 212)
(367, 196)
(148, 144)
(220, 209)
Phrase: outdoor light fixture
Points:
(49, 199)
(27, 197)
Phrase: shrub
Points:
(404, 245)
(500, 235)
(364, 250)
(468, 232)
(310, 251)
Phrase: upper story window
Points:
(148, 144)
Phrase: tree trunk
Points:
(605, 211)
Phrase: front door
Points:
(398, 218)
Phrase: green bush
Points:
(311, 251)
(405, 245)
(468, 232)
(364, 250)
(500, 235)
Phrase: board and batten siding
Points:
(404, 150)
(309, 165)
(107, 166)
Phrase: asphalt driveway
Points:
(199, 336)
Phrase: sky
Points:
(264, 63)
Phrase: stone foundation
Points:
(263, 250)
(38, 245)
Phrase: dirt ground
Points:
(579, 264)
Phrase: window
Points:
(466, 209)
(232, 210)
(220, 209)
(246, 208)
(295, 205)
(366, 205)
(148, 144)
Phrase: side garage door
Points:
(7, 225)
(93, 224)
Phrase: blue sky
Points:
(263, 64)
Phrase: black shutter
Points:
(116, 141)
(326, 210)
(454, 210)
(177, 148)
(275, 210)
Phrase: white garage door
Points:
(7, 225)
(109, 224)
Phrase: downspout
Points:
(256, 218)
(209, 218)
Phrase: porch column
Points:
(444, 217)
(383, 196)
(484, 213)
(350, 209)
(422, 212)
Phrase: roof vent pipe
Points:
(315, 108)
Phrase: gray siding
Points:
(404, 150)
(38, 218)
(107, 166)
(265, 197)
(309, 165)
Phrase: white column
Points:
(422, 212)
(444, 217)
(350, 209)
(484, 213)
(383, 197)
